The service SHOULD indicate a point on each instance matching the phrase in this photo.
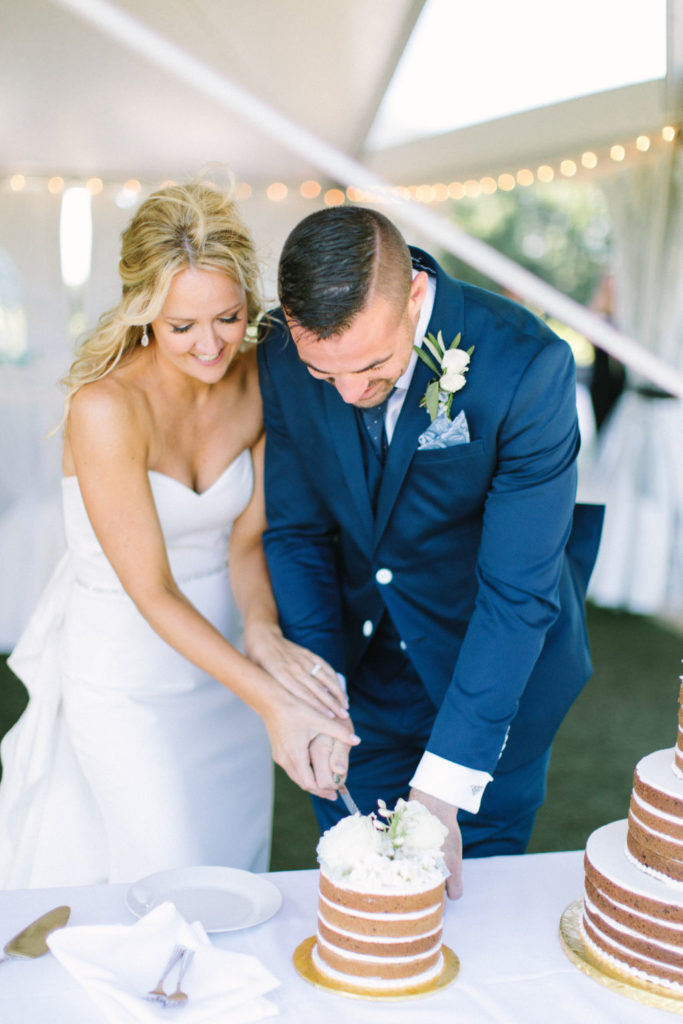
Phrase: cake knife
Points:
(349, 802)
(30, 942)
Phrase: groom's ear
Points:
(416, 295)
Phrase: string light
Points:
(130, 192)
(277, 191)
(310, 189)
(334, 197)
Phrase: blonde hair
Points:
(176, 228)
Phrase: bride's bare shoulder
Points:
(107, 413)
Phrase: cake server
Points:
(30, 942)
(349, 802)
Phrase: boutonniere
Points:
(450, 365)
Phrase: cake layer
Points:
(387, 902)
(622, 958)
(372, 984)
(610, 869)
(655, 835)
(656, 785)
(392, 925)
(668, 826)
(365, 966)
(387, 947)
(630, 916)
(654, 853)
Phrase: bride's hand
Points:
(298, 670)
(292, 728)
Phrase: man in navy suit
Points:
(439, 566)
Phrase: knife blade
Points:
(349, 802)
(30, 941)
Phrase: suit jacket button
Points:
(402, 645)
(367, 628)
(384, 576)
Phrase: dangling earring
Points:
(144, 340)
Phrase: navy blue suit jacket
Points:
(488, 559)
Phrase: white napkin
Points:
(118, 964)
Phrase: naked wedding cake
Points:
(633, 906)
(381, 901)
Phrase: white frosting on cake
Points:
(403, 855)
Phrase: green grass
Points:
(628, 709)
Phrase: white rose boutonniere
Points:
(450, 364)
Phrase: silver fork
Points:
(157, 993)
(179, 997)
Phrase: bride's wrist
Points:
(258, 633)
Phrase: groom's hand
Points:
(329, 757)
(452, 847)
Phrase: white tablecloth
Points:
(504, 930)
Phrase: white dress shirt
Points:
(453, 783)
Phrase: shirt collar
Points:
(404, 380)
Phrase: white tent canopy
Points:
(79, 104)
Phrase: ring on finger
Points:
(316, 668)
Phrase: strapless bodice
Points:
(196, 527)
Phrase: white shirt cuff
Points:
(450, 782)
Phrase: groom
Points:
(441, 567)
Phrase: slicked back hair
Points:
(334, 261)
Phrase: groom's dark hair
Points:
(334, 260)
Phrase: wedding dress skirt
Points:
(128, 759)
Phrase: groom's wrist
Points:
(453, 783)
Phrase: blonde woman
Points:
(145, 743)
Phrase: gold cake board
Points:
(606, 974)
(304, 964)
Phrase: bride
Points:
(145, 743)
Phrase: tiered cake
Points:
(633, 906)
(381, 900)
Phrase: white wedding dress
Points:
(128, 759)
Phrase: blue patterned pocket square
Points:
(443, 433)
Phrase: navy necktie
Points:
(375, 444)
(373, 421)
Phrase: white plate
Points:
(223, 899)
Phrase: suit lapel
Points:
(410, 424)
(345, 441)
(447, 316)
